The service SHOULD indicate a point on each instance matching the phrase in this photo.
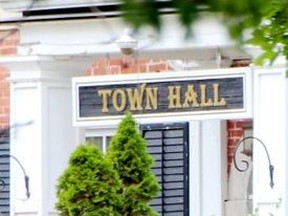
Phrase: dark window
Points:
(168, 144)
(4, 176)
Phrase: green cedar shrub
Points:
(129, 156)
(89, 186)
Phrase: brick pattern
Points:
(126, 66)
(236, 130)
(9, 40)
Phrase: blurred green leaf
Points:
(267, 20)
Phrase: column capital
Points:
(45, 68)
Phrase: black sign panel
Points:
(161, 97)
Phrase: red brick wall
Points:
(127, 65)
(9, 39)
(236, 130)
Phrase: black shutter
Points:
(169, 146)
(4, 176)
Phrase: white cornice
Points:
(208, 53)
(37, 68)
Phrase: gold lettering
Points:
(151, 98)
(105, 94)
(204, 101)
(174, 97)
(217, 101)
(119, 100)
(136, 97)
(190, 97)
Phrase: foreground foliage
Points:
(128, 154)
(267, 20)
(272, 34)
(89, 186)
(120, 183)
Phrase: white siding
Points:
(25, 4)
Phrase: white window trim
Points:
(99, 132)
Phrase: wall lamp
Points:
(26, 177)
(126, 43)
(242, 142)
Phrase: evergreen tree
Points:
(89, 186)
(128, 154)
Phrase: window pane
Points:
(98, 141)
(108, 140)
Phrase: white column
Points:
(43, 136)
(208, 167)
(270, 114)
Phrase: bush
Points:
(128, 155)
(89, 186)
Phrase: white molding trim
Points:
(45, 68)
(195, 193)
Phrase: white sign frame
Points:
(245, 112)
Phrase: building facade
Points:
(65, 79)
